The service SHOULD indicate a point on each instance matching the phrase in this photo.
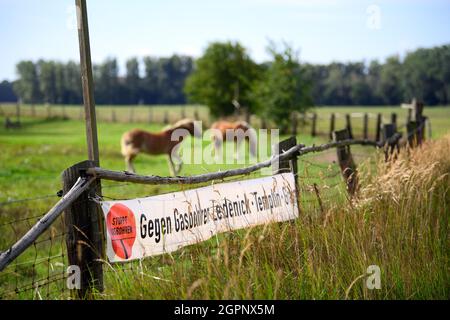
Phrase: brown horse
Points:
(239, 130)
(136, 141)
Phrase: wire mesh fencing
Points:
(40, 272)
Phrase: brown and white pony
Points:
(239, 130)
(138, 141)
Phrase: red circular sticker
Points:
(121, 226)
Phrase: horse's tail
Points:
(127, 145)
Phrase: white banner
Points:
(150, 226)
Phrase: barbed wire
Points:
(14, 201)
(40, 272)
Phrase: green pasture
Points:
(32, 158)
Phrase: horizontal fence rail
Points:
(296, 150)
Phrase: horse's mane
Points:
(178, 124)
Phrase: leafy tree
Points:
(133, 81)
(390, 81)
(47, 80)
(150, 81)
(223, 77)
(72, 79)
(173, 72)
(283, 89)
(106, 82)
(7, 92)
(27, 86)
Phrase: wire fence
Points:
(170, 114)
(40, 272)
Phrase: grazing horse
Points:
(239, 130)
(136, 141)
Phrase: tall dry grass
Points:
(399, 222)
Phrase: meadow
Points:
(322, 255)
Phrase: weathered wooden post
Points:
(416, 128)
(113, 115)
(84, 214)
(409, 115)
(348, 125)
(287, 165)
(332, 125)
(378, 128)
(166, 117)
(420, 119)
(394, 120)
(366, 126)
(346, 163)
(389, 130)
(84, 232)
(183, 112)
(33, 108)
(294, 122)
(18, 112)
(49, 110)
(150, 114)
(314, 124)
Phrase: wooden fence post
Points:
(131, 117)
(291, 164)
(18, 112)
(294, 121)
(166, 117)
(84, 232)
(348, 166)
(394, 120)
(150, 114)
(348, 125)
(366, 126)
(420, 119)
(314, 124)
(416, 129)
(332, 125)
(388, 132)
(113, 115)
(378, 128)
(413, 136)
(196, 116)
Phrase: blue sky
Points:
(323, 30)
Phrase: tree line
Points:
(237, 80)
(53, 82)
